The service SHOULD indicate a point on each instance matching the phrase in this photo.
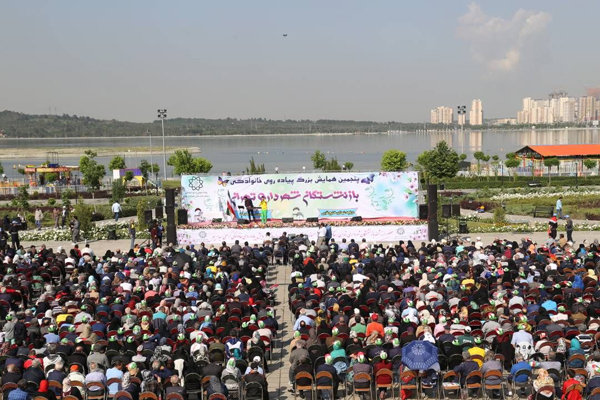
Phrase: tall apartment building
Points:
(442, 115)
(587, 109)
(476, 113)
(559, 108)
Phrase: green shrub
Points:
(499, 215)
(66, 197)
(84, 214)
(118, 191)
(51, 201)
(142, 206)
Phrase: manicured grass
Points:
(171, 184)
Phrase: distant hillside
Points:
(14, 124)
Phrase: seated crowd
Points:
(173, 323)
(507, 318)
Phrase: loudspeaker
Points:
(112, 234)
(456, 210)
(171, 233)
(287, 220)
(423, 211)
(170, 198)
(158, 211)
(446, 211)
(216, 220)
(170, 216)
(432, 222)
(358, 218)
(182, 217)
(148, 216)
(312, 219)
(243, 221)
(450, 210)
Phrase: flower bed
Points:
(544, 194)
(96, 233)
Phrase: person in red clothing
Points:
(575, 394)
(375, 326)
(382, 379)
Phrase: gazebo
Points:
(570, 156)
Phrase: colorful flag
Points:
(230, 205)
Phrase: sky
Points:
(385, 60)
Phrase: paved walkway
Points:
(524, 219)
(278, 376)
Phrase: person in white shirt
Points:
(116, 209)
(263, 331)
(321, 235)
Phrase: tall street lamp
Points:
(162, 114)
(151, 159)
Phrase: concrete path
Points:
(278, 376)
(524, 219)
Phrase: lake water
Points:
(290, 153)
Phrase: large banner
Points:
(373, 234)
(300, 196)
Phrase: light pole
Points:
(149, 133)
(162, 114)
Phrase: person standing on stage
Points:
(263, 210)
(250, 208)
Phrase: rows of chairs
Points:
(447, 388)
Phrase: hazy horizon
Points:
(352, 60)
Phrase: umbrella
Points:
(419, 355)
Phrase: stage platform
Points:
(378, 231)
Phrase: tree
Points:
(480, 156)
(254, 168)
(184, 163)
(84, 214)
(117, 162)
(91, 170)
(318, 159)
(21, 200)
(1, 169)
(512, 162)
(66, 197)
(118, 191)
(332, 165)
(495, 163)
(551, 162)
(348, 165)
(146, 169)
(393, 160)
(590, 164)
(128, 176)
(439, 163)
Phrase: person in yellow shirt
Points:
(477, 353)
(263, 210)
